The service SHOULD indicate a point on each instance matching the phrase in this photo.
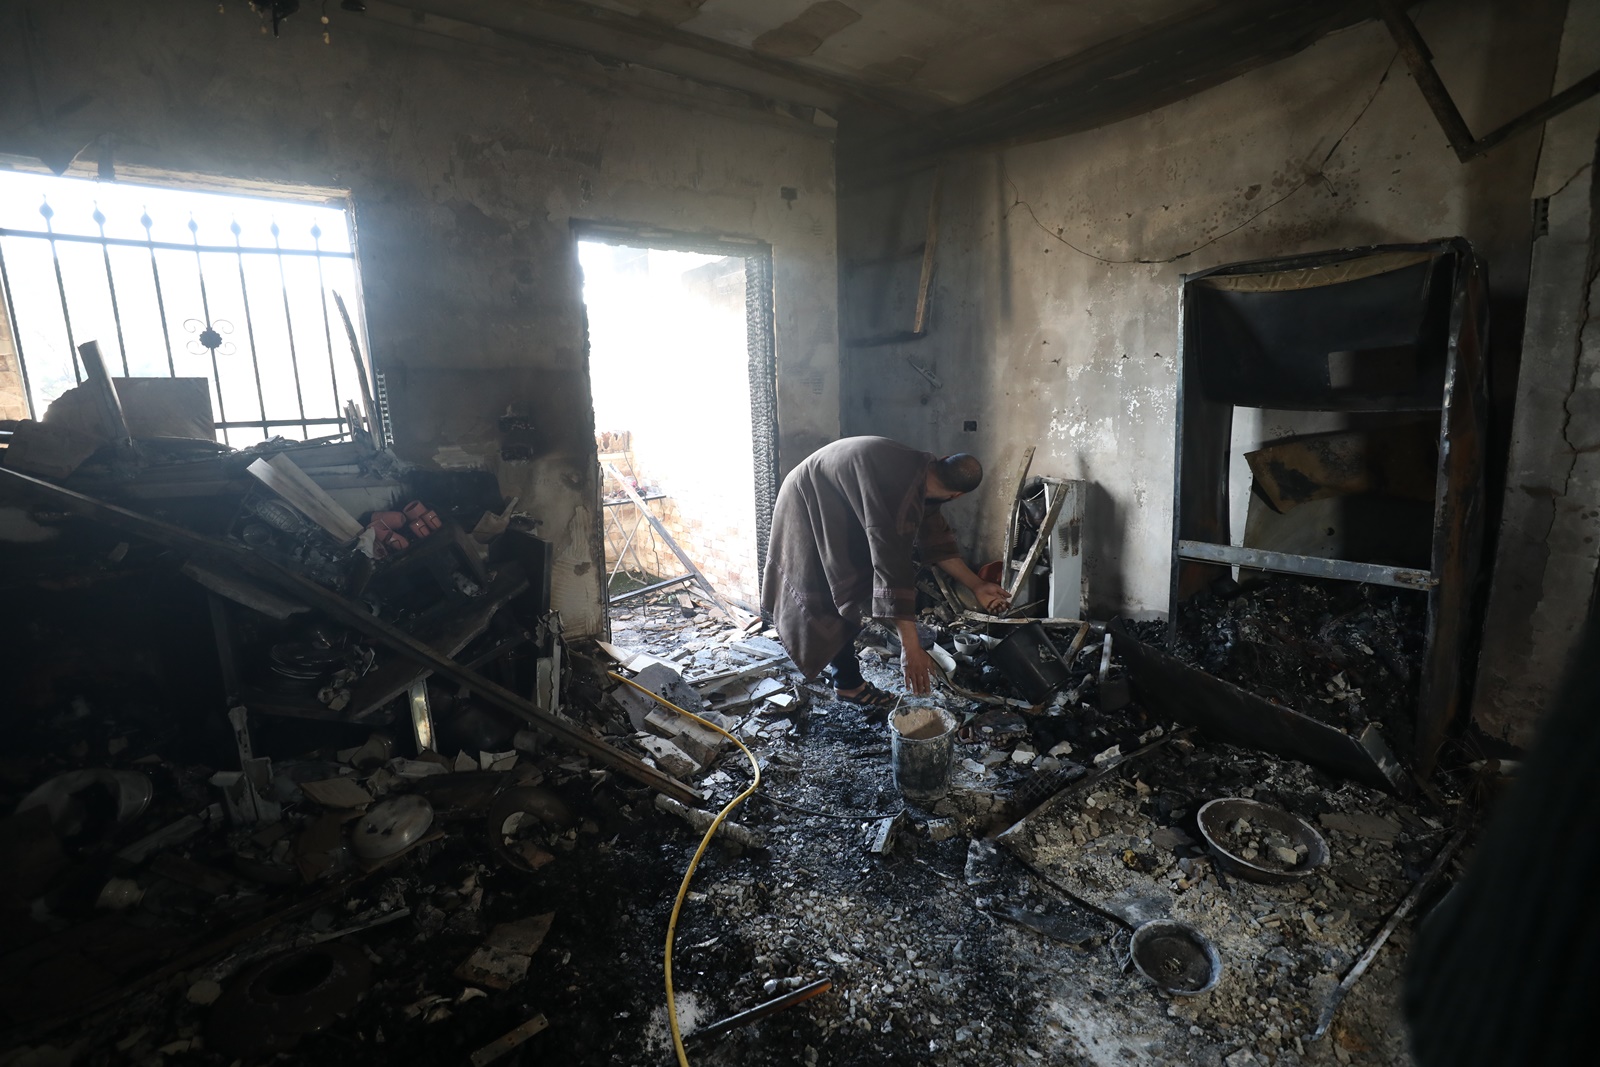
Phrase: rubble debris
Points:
(1175, 690)
(503, 958)
(1343, 653)
(1396, 917)
(270, 1007)
(87, 806)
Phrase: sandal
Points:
(871, 697)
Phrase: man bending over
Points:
(850, 523)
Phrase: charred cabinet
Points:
(1387, 343)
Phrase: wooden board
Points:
(293, 484)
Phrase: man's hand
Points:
(992, 597)
(917, 667)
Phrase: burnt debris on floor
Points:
(301, 763)
(1346, 655)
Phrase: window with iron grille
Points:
(235, 289)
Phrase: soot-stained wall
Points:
(467, 158)
(1072, 350)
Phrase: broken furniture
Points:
(1051, 511)
(240, 563)
(1388, 340)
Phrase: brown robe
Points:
(849, 522)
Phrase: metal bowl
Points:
(1176, 957)
(1216, 815)
(391, 827)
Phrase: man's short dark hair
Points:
(960, 473)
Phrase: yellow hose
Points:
(683, 889)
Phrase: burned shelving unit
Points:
(1389, 341)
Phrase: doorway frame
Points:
(761, 359)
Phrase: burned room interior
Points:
(828, 533)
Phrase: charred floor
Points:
(721, 532)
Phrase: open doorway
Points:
(682, 380)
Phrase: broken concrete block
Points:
(942, 829)
(701, 743)
(502, 960)
(670, 758)
(665, 681)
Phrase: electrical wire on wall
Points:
(1312, 174)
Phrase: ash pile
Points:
(1342, 653)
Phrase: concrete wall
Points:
(1042, 344)
(466, 156)
(1544, 574)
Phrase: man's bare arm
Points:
(991, 597)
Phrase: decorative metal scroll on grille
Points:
(217, 337)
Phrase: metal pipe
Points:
(761, 1011)
(161, 304)
(205, 308)
(61, 288)
(288, 324)
(641, 591)
(111, 287)
(249, 322)
(327, 322)
(169, 245)
(1310, 566)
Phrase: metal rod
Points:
(1466, 147)
(761, 1011)
(919, 322)
(1308, 566)
(1420, 61)
(327, 322)
(361, 364)
(161, 304)
(266, 424)
(249, 250)
(288, 323)
(1571, 96)
(111, 286)
(249, 323)
(1325, 1020)
(61, 287)
(642, 590)
(205, 309)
